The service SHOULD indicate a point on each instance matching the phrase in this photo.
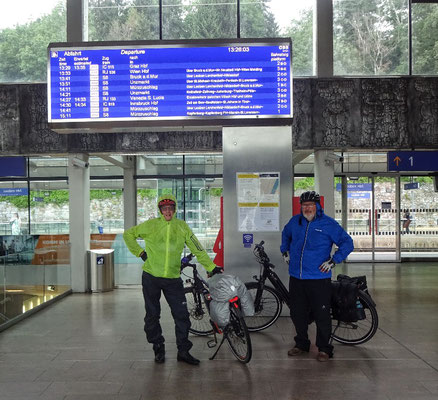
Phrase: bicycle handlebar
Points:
(185, 261)
(260, 253)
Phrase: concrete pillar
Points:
(324, 180)
(255, 150)
(323, 38)
(79, 205)
(129, 192)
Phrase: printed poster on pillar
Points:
(258, 201)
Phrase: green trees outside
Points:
(123, 20)
(425, 38)
(370, 36)
(23, 49)
(301, 32)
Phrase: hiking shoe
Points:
(160, 352)
(186, 357)
(295, 351)
(322, 357)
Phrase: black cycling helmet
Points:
(310, 196)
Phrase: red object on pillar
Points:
(376, 221)
(218, 247)
(296, 207)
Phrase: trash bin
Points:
(101, 270)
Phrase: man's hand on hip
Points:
(327, 266)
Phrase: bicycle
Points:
(268, 304)
(198, 304)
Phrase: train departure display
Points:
(121, 86)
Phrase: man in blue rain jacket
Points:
(307, 241)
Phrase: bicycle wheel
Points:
(267, 310)
(198, 312)
(237, 335)
(360, 331)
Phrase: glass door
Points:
(372, 218)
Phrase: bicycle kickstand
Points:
(215, 343)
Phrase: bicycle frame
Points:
(200, 285)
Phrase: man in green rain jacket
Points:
(164, 239)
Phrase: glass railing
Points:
(62, 227)
(31, 274)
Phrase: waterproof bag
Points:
(223, 288)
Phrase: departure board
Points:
(127, 85)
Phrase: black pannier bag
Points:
(344, 298)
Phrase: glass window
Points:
(106, 206)
(302, 185)
(203, 205)
(14, 217)
(370, 37)
(43, 167)
(26, 28)
(278, 18)
(102, 167)
(49, 207)
(418, 215)
(123, 20)
(425, 39)
(199, 19)
(204, 164)
(159, 165)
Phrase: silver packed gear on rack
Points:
(223, 288)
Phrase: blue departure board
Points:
(121, 86)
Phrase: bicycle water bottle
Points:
(359, 310)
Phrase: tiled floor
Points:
(93, 347)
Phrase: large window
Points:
(281, 18)
(123, 20)
(370, 37)
(26, 28)
(425, 39)
(199, 19)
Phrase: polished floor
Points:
(93, 347)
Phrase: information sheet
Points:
(258, 201)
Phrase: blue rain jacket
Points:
(310, 244)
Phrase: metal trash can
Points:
(101, 270)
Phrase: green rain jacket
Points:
(164, 243)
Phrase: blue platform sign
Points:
(358, 187)
(412, 160)
(13, 192)
(412, 185)
(358, 195)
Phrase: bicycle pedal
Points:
(212, 343)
